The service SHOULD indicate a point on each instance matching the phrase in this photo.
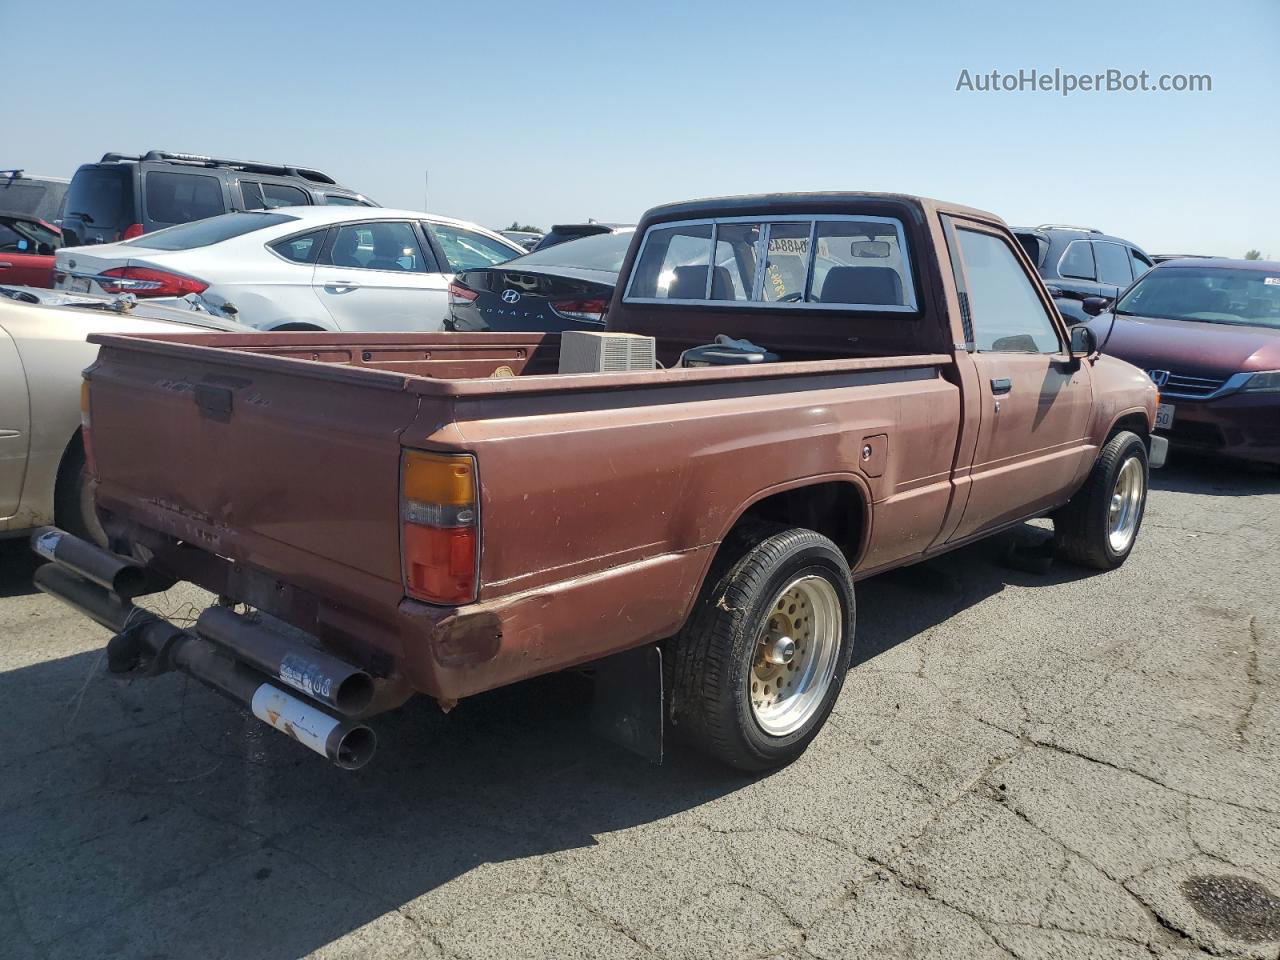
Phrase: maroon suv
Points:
(1207, 331)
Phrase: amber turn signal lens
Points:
(439, 478)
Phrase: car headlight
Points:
(1267, 382)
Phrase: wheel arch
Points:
(838, 506)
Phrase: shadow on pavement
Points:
(1188, 473)
(17, 564)
(153, 819)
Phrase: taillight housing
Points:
(439, 526)
(149, 282)
(588, 311)
(131, 231)
(460, 296)
(86, 435)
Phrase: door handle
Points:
(1001, 385)
(341, 283)
(5, 264)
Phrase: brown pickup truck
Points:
(389, 514)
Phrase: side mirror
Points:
(1095, 305)
(44, 249)
(1084, 342)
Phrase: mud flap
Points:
(627, 707)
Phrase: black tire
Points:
(715, 652)
(73, 497)
(1081, 528)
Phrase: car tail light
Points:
(86, 435)
(439, 538)
(590, 311)
(149, 282)
(131, 231)
(460, 296)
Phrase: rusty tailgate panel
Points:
(258, 465)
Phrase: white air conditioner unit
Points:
(583, 351)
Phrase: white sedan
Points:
(297, 268)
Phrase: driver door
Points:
(1035, 402)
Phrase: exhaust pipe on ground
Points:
(345, 742)
(317, 674)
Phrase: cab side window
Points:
(1008, 316)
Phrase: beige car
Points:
(42, 352)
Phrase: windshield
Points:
(604, 251)
(1212, 294)
(202, 233)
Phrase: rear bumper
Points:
(450, 652)
(1241, 426)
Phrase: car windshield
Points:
(1210, 294)
(604, 251)
(202, 233)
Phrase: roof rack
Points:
(1067, 226)
(12, 174)
(248, 166)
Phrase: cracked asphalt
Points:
(1057, 765)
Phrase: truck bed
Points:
(267, 468)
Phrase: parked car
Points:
(297, 268)
(445, 513)
(561, 232)
(35, 196)
(27, 245)
(1207, 331)
(42, 353)
(1080, 262)
(564, 287)
(522, 238)
(124, 196)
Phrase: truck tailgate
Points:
(245, 454)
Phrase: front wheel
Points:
(761, 661)
(1098, 527)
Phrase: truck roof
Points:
(817, 201)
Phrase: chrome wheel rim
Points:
(1126, 505)
(795, 655)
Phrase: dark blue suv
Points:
(1080, 262)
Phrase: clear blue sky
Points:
(555, 111)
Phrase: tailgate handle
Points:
(214, 402)
(1001, 385)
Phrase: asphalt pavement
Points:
(1031, 765)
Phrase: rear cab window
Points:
(202, 233)
(805, 262)
(171, 197)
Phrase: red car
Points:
(1207, 332)
(26, 250)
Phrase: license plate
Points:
(78, 285)
(1164, 416)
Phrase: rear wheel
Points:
(1100, 524)
(761, 661)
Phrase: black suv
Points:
(125, 196)
(1079, 262)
